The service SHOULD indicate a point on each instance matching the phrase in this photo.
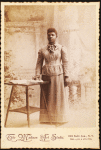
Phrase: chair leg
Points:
(9, 104)
(27, 106)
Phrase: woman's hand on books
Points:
(36, 77)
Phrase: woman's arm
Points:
(64, 57)
(39, 63)
(38, 69)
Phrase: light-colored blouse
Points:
(56, 61)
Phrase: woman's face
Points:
(51, 37)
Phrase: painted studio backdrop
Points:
(26, 32)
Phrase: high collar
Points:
(52, 48)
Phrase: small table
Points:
(27, 109)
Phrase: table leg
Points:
(27, 106)
(9, 105)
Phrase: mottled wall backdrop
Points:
(26, 32)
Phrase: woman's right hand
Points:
(36, 77)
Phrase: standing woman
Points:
(53, 103)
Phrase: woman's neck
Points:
(52, 43)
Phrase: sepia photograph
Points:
(50, 75)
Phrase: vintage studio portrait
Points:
(49, 66)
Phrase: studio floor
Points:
(77, 117)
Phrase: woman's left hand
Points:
(66, 80)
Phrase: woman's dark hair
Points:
(52, 30)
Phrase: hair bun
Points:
(52, 30)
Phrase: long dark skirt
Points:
(53, 100)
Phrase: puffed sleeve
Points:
(39, 63)
(64, 57)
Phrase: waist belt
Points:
(50, 70)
